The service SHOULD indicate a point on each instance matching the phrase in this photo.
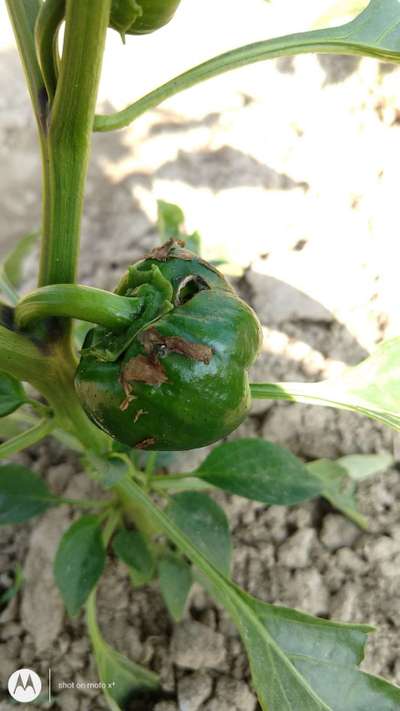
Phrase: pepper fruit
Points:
(176, 378)
(138, 17)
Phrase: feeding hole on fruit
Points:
(189, 287)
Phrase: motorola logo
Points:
(24, 685)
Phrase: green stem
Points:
(46, 35)
(21, 358)
(23, 15)
(51, 371)
(26, 439)
(137, 512)
(95, 635)
(69, 138)
(133, 492)
(81, 302)
(85, 503)
(59, 390)
(333, 40)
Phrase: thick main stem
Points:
(65, 128)
(69, 138)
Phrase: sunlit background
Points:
(288, 167)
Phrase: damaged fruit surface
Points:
(177, 377)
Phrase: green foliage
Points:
(175, 583)
(302, 663)
(22, 494)
(14, 588)
(124, 679)
(338, 488)
(373, 33)
(371, 388)
(170, 220)
(259, 470)
(79, 562)
(362, 466)
(132, 549)
(11, 269)
(298, 662)
(170, 225)
(204, 522)
(12, 394)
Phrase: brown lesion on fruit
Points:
(145, 443)
(129, 396)
(138, 415)
(144, 369)
(155, 344)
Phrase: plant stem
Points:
(51, 371)
(26, 439)
(46, 35)
(95, 635)
(136, 512)
(343, 39)
(23, 14)
(58, 388)
(81, 302)
(21, 358)
(69, 138)
(86, 503)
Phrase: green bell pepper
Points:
(176, 378)
(138, 17)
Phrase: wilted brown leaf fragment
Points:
(152, 341)
(162, 253)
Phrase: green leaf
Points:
(22, 494)
(371, 388)
(14, 588)
(11, 269)
(170, 220)
(124, 680)
(338, 489)
(298, 662)
(12, 394)
(373, 33)
(205, 524)
(175, 583)
(302, 663)
(131, 548)
(193, 243)
(13, 425)
(362, 466)
(79, 562)
(261, 471)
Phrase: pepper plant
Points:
(164, 366)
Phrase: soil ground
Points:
(289, 171)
